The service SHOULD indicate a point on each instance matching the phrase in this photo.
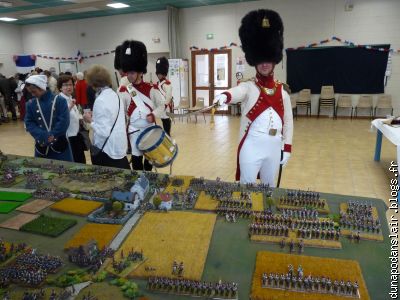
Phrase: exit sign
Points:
(210, 36)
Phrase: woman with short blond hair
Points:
(107, 121)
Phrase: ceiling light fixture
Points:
(7, 19)
(118, 5)
(5, 4)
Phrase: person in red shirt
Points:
(80, 90)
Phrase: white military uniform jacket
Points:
(165, 89)
(144, 100)
(252, 94)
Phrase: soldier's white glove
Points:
(220, 99)
(285, 159)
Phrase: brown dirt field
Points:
(18, 221)
(35, 206)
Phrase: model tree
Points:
(117, 207)
(270, 202)
(157, 201)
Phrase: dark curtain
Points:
(350, 70)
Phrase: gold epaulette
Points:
(247, 79)
(286, 87)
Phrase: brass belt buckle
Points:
(273, 131)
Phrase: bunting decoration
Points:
(80, 58)
(195, 48)
(344, 42)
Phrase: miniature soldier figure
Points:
(174, 268)
(264, 279)
(282, 243)
(291, 246)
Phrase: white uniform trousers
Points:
(260, 153)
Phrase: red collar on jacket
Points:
(144, 88)
(265, 81)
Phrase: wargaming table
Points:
(231, 255)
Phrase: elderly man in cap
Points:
(47, 120)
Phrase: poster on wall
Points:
(240, 64)
(68, 66)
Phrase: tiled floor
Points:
(334, 156)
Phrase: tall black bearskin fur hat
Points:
(133, 56)
(162, 66)
(117, 58)
(261, 35)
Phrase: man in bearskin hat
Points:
(125, 97)
(165, 88)
(266, 126)
(146, 102)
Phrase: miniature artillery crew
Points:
(224, 290)
(320, 284)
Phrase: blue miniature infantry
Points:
(302, 198)
(359, 217)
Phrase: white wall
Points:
(10, 44)
(305, 21)
(100, 34)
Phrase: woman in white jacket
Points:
(108, 110)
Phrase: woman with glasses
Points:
(66, 87)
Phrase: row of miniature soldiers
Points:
(48, 263)
(300, 245)
(21, 275)
(50, 194)
(354, 207)
(329, 234)
(362, 226)
(195, 288)
(265, 229)
(260, 187)
(310, 284)
(317, 203)
(358, 218)
(303, 213)
(239, 212)
(177, 269)
(299, 194)
(235, 204)
(293, 223)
